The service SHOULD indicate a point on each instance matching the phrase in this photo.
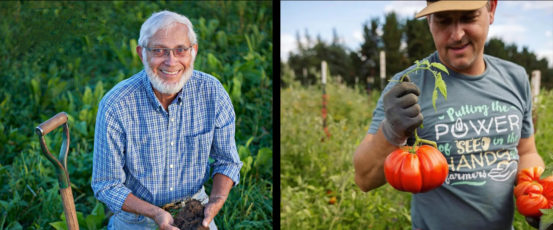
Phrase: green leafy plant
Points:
(439, 84)
(93, 221)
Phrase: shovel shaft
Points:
(69, 208)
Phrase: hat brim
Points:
(441, 6)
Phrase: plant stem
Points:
(415, 69)
(419, 140)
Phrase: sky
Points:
(524, 23)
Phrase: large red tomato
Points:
(527, 187)
(529, 174)
(533, 193)
(424, 170)
(530, 204)
(547, 184)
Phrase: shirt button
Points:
(171, 189)
(172, 143)
(172, 119)
(170, 166)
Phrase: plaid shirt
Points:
(162, 156)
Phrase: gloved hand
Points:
(533, 221)
(403, 114)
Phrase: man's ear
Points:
(428, 21)
(194, 50)
(493, 6)
(139, 52)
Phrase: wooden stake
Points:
(323, 80)
(535, 89)
(382, 69)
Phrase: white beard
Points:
(168, 88)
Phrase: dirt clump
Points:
(190, 217)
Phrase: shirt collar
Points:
(151, 95)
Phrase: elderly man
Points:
(484, 128)
(157, 130)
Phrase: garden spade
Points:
(60, 164)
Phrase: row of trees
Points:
(361, 66)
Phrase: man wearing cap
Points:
(484, 128)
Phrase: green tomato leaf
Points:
(547, 211)
(439, 66)
(440, 84)
(426, 62)
(546, 220)
(434, 98)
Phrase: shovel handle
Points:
(69, 208)
(52, 123)
(60, 165)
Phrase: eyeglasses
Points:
(178, 52)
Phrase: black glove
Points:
(403, 114)
(533, 221)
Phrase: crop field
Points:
(317, 175)
(64, 56)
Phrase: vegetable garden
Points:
(64, 56)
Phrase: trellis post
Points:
(535, 89)
(382, 69)
(325, 97)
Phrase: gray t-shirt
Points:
(477, 129)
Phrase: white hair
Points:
(161, 20)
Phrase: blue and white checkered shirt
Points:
(162, 156)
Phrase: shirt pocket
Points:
(195, 154)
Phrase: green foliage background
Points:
(64, 56)
(313, 171)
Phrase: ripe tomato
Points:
(530, 174)
(530, 204)
(419, 172)
(527, 187)
(533, 193)
(332, 200)
(547, 179)
(547, 184)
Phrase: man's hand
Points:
(403, 114)
(164, 220)
(212, 208)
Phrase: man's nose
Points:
(170, 57)
(458, 31)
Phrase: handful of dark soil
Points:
(190, 217)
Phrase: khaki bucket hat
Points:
(449, 5)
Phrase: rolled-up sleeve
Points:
(223, 150)
(108, 175)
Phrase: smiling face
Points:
(168, 73)
(460, 36)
